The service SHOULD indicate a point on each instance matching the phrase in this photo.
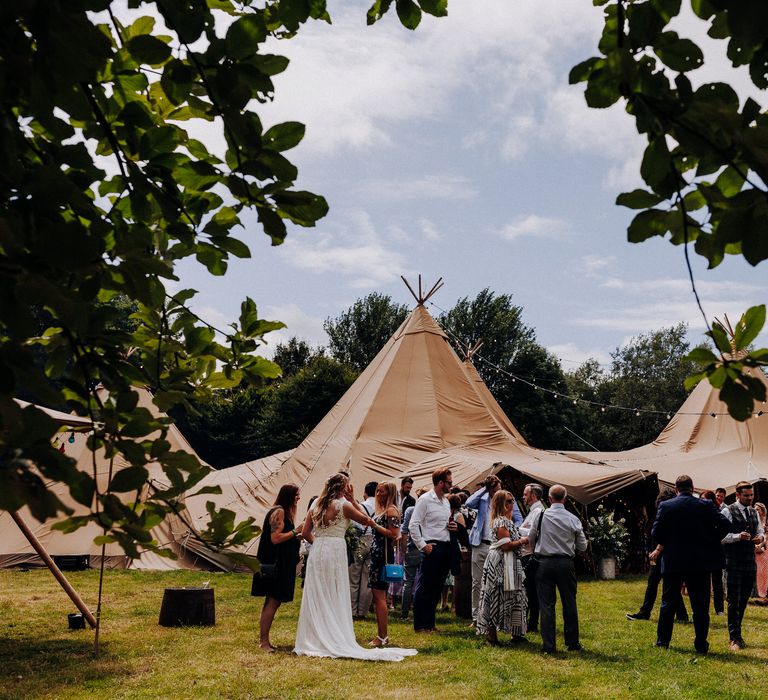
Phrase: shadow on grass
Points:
(34, 667)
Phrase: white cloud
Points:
(298, 324)
(534, 226)
(353, 250)
(591, 265)
(429, 230)
(352, 84)
(428, 187)
(639, 306)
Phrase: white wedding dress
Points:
(325, 620)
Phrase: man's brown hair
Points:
(743, 485)
(440, 475)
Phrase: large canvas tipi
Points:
(417, 406)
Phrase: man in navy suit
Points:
(687, 533)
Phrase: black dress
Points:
(378, 554)
(285, 556)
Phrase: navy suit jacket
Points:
(690, 529)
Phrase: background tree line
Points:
(549, 405)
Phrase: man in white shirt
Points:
(740, 566)
(532, 496)
(430, 529)
(362, 596)
(480, 534)
(555, 537)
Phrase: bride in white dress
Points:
(325, 620)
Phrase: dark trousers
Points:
(557, 573)
(530, 565)
(411, 567)
(429, 585)
(697, 583)
(718, 597)
(740, 584)
(651, 589)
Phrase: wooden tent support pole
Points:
(66, 585)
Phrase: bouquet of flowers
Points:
(354, 545)
(609, 537)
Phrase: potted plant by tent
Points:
(609, 539)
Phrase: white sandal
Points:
(382, 642)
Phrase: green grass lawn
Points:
(40, 657)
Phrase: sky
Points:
(460, 151)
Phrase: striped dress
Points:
(498, 609)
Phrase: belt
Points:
(485, 541)
(438, 542)
(553, 556)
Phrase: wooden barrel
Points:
(184, 607)
(462, 587)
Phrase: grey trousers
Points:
(361, 595)
(412, 561)
(557, 573)
(479, 555)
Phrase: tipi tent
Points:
(413, 406)
(702, 440)
(15, 550)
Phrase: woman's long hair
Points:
(332, 489)
(498, 505)
(286, 499)
(391, 497)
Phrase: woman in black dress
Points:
(279, 545)
(387, 516)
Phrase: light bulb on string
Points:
(637, 413)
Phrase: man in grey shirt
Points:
(555, 537)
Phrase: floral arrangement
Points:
(609, 537)
(354, 545)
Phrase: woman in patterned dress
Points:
(502, 607)
(387, 517)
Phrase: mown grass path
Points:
(41, 658)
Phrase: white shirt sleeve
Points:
(414, 528)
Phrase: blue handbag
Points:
(391, 573)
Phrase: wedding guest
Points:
(718, 591)
(688, 531)
(387, 517)
(555, 538)
(503, 603)
(411, 558)
(404, 498)
(532, 497)
(654, 579)
(456, 542)
(359, 590)
(279, 546)
(761, 558)
(480, 535)
(430, 529)
(746, 531)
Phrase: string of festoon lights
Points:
(578, 400)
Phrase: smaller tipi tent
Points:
(172, 533)
(703, 441)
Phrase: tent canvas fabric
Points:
(417, 406)
(172, 533)
(714, 451)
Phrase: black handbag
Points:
(263, 580)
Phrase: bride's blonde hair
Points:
(332, 489)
